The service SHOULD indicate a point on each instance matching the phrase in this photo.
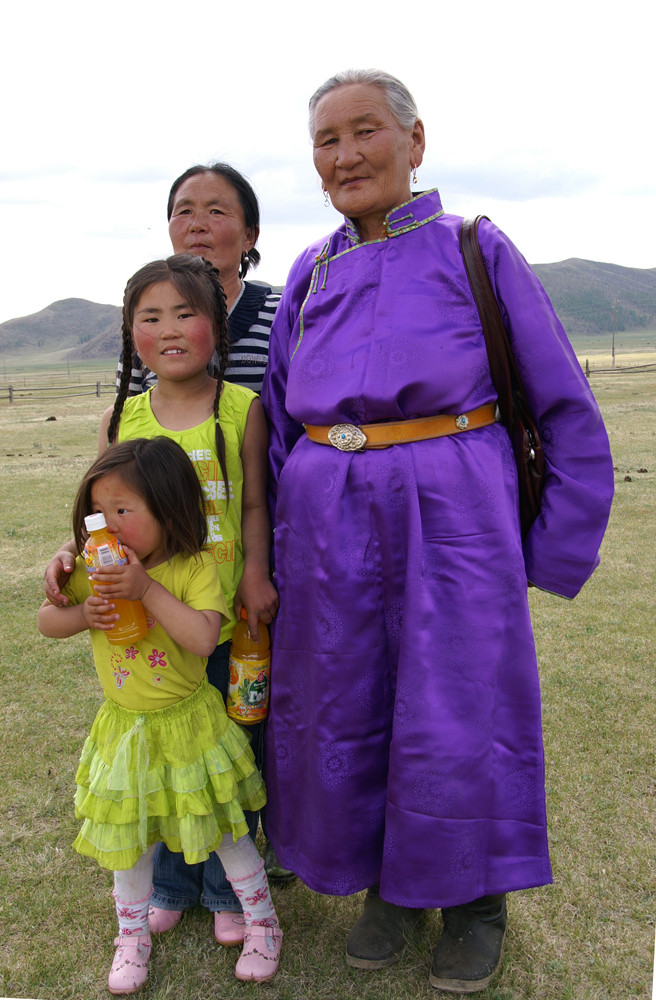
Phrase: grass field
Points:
(589, 936)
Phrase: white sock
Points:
(132, 891)
(245, 870)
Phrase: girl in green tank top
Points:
(174, 317)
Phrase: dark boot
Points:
(469, 952)
(378, 937)
(276, 874)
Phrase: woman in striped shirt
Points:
(213, 212)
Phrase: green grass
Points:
(590, 936)
(628, 344)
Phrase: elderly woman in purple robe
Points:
(404, 748)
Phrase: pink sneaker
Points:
(162, 920)
(228, 927)
(260, 957)
(130, 966)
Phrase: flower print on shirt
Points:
(120, 676)
(131, 653)
(119, 671)
(157, 660)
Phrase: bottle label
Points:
(248, 690)
(95, 557)
(105, 555)
(132, 625)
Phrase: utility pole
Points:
(613, 347)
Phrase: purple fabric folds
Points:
(404, 739)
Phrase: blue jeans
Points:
(177, 885)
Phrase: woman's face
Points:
(363, 155)
(208, 221)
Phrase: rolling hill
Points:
(74, 328)
(594, 298)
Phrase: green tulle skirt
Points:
(183, 775)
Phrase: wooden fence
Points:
(619, 369)
(12, 393)
(55, 390)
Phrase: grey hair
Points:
(399, 99)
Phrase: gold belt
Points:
(349, 437)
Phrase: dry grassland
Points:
(589, 936)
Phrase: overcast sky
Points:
(538, 115)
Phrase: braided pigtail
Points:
(151, 274)
(222, 344)
(124, 383)
(219, 440)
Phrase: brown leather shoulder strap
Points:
(496, 338)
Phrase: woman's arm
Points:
(255, 590)
(561, 548)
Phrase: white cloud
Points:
(536, 116)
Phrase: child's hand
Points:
(57, 573)
(128, 582)
(97, 613)
(260, 598)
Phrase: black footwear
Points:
(469, 953)
(378, 937)
(275, 871)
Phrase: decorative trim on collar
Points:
(400, 219)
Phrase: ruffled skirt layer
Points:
(182, 775)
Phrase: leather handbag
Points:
(513, 405)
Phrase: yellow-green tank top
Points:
(223, 520)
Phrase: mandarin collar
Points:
(421, 208)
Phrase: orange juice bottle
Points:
(250, 670)
(104, 549)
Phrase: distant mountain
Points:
(70, 328)
(590, 298)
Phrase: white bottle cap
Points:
(94, 522)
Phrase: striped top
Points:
(250, 322)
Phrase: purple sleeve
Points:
(561, 549)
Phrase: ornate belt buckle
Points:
(347, 437)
